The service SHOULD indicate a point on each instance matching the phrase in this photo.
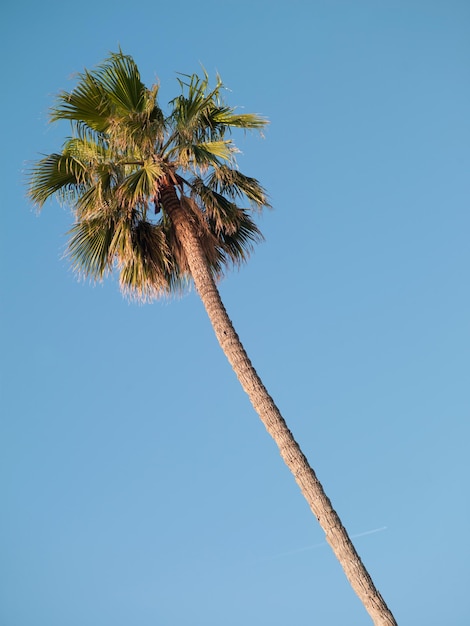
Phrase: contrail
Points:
(324, 543)
(369, 532)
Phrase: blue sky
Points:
(138, 485)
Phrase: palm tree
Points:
(156, 199)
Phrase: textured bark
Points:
(312, 490)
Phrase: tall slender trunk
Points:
(294, 458)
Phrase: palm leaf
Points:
(89, 246)
(112, 99)
(140, 185)
(231, 182)
(237, 245)
(56, 174)
(87, 104)
(85, 149)
(191, 111)
(227, 117)
(216, 206)
(148, 271)
(201, 156)
(119, 78)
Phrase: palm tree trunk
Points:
(311, 488)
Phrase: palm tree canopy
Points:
(123, 152)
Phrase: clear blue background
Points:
(137, 484)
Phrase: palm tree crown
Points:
(124, 153)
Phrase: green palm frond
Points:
(231, 182)
(217, 207)
(119, 78)
(192, 116)
(135, 118)
(141, 254)
(103, 176)
(97, 199)
(199, 122)
(194, 101)
(237, 244)
(223, 149)
(114, 87)
(203, 155)
(86, 104)
(228, 118)
(113, 100)
(140, 185)
(148, 270)
(227, 233)
(86, 149)
(89, 247)
(200, 111)
(57, 174)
